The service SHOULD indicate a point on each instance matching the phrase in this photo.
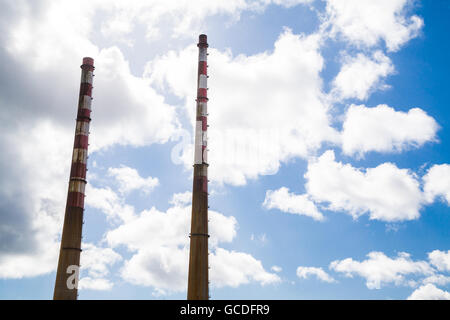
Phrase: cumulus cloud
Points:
(231, 268)
(95, 262)
(385, 192)
(285, 201)
(306, 272)
(429, 292)
(163, 268)
(367, 22)
(378, 269)
(440, 259)
(126, 109)
(32, 199)
(109, 202)
(180, 199)
(25, 264)
(264, 108)
(183, 18)
(361, 75)
(439, 279)
(40, 41)
(437, 183)
(383, 129)
(38, 48)
(129, 180)
(159, 244)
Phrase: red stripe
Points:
(81, 101)
(202, 67)
(88, 61)
(81, 141)
(85, 89)
(75, 199)
(87, 67)
(203, 93)
(204, 123)
(83, 119)
(78, 170)
(84, 113)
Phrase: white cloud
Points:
(96, 260)
(386, 192)
(129, 180)
(366, 22)
(306, 272)
(43, 41)
(160, 245)
(361, 75)
(429, 292)
(87, 283)
(106, 200)
(231, 268)
(276, 269)
(126, 110)
(264, 109)
(440, 259)
(162, 267)
(181, 199)
(18, 265)
(181, 17)
(52, 27)
(437, 279)
(379, 269)
(285, 201)
(437, 183)
(383, 129)
(33, 191)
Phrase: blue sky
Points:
(328, 147)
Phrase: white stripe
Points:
(203, 110)
(198, 143)
(86, 102)
(82, 128)
(79, 155)
(77, 186)
(202, 54)
(204, 138)
(202, 81)
(86, 76)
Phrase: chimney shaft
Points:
(198, 283)
(66, 284)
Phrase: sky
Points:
(328, 146)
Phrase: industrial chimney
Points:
(198, 284)
(66, 284)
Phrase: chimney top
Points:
(202, 41)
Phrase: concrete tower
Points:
(69, 255)
(198, 284)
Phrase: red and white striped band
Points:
(78, 170)
(201, 127)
